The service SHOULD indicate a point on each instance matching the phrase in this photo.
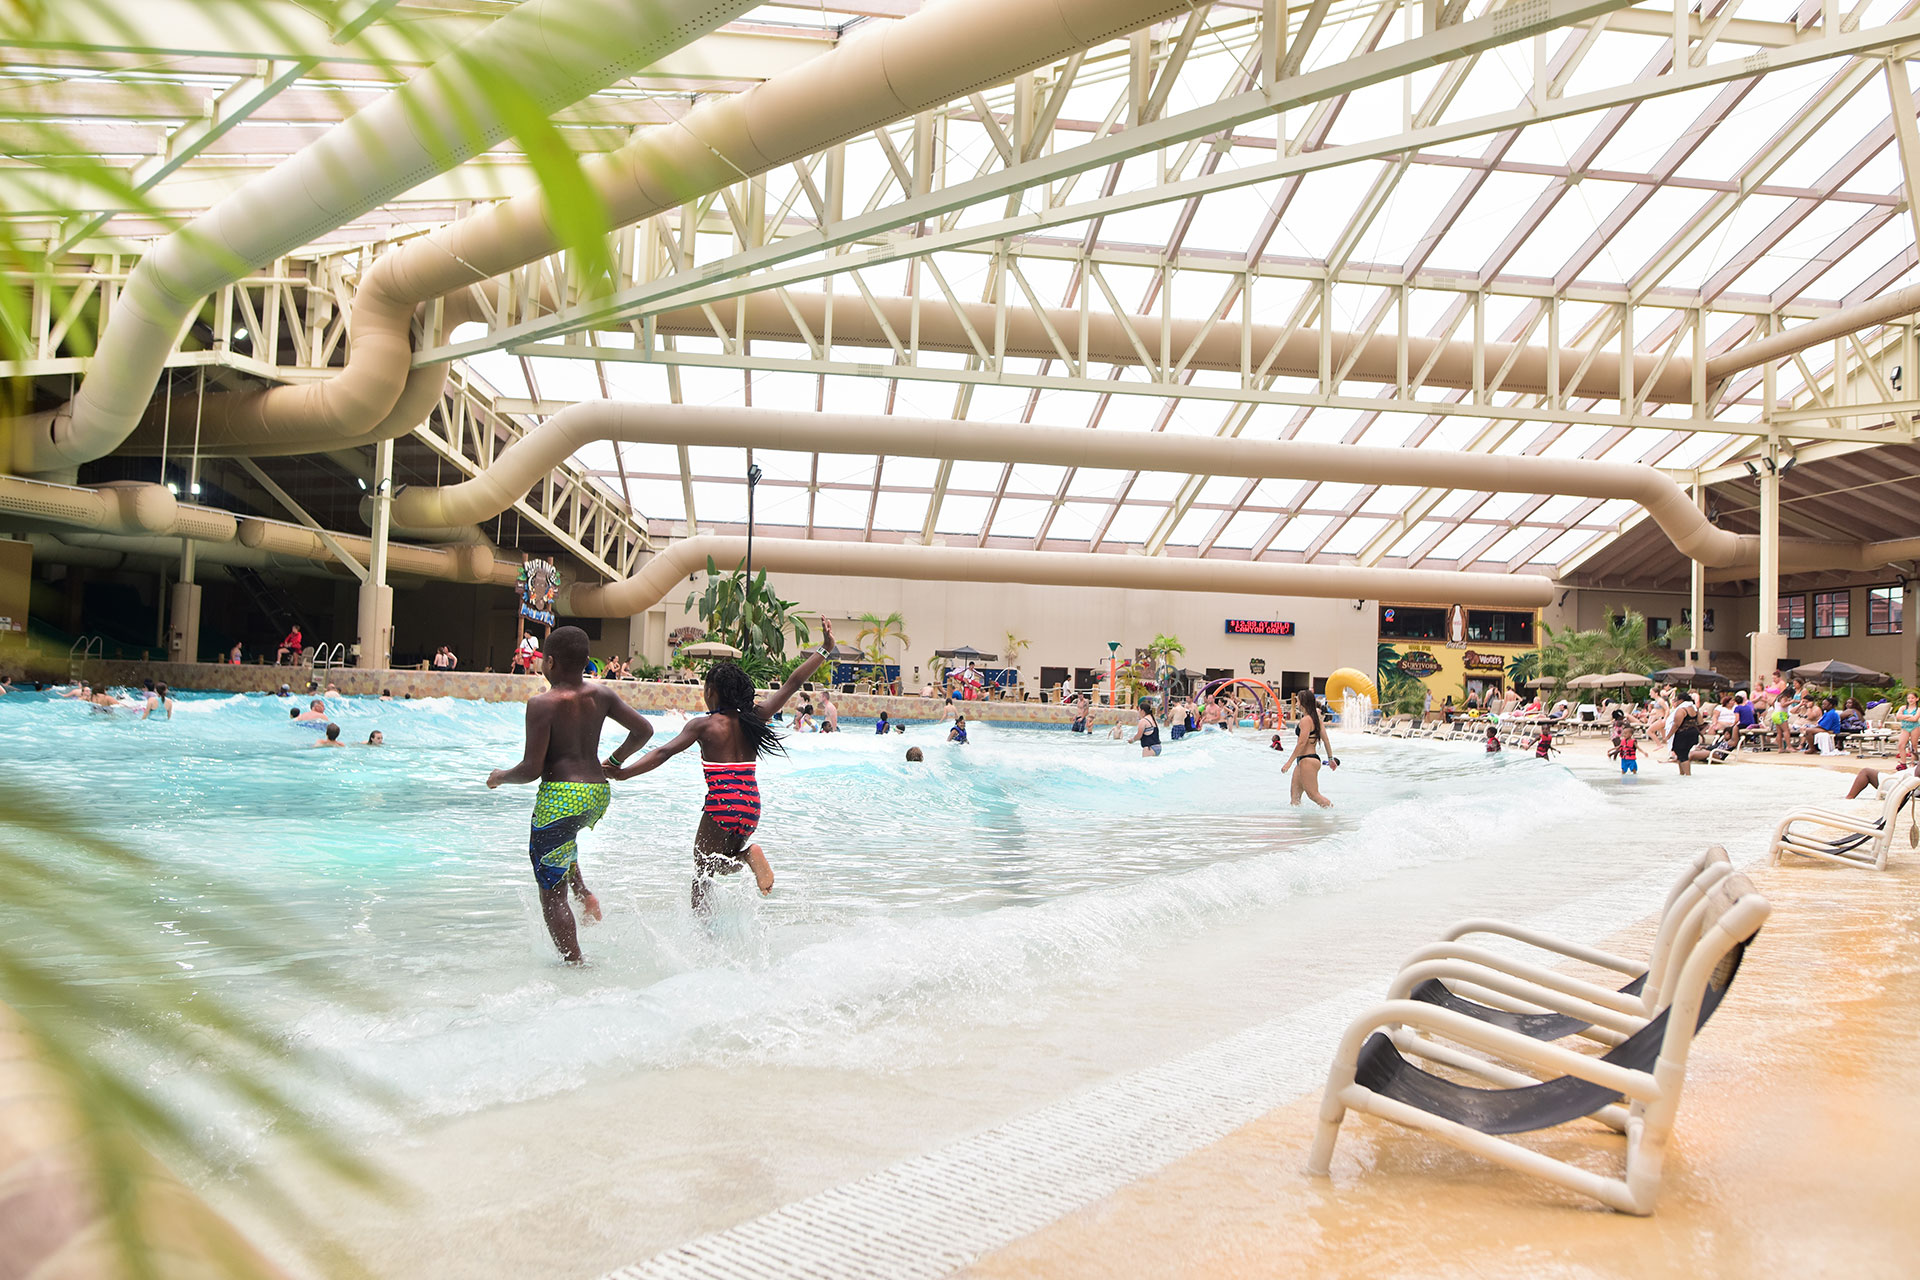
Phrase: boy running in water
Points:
(733, 735)
(563, 752)
(1543, 745)
(1627, 752)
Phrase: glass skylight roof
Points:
(1781, 191)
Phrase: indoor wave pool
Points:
(949, 943)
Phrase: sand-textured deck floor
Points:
(1797, 1151)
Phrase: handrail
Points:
(328, 656)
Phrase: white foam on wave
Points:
(884, 991)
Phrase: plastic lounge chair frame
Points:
(1846, 838)
(1727, 917)
(1699, 874)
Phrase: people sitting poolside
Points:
(1828, 724)
(291, 647)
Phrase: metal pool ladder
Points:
(83, 649)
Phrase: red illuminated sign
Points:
(1258, 627)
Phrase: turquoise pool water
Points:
(967, 879)
(914, 901)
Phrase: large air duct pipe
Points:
(524, 463)
(668, 570)
(151, 511)
(945, 51)
(554, 52)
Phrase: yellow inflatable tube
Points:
(1347, 680)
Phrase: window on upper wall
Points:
(1885, 607)
(1830, 613)
(1657, 629)
(1488, 626)
(1793, 617)
(1402, 622)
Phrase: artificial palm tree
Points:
(875, 631)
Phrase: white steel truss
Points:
(1372, 208)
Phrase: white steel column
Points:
(376, 597)
(1698, 652)
(1769, 646)
(183, 604)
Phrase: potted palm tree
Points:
(875, 631)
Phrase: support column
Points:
(183, 614)
(1769, 646)
(1699, 654)
(376, 597)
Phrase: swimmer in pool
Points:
(563, 752)
(316, 713)
(733, 735)
(158, 700)
(375, 739)
(332, 739)
(959, 731)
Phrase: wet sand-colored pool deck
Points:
(1796, 1154)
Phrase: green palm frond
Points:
(78, 902)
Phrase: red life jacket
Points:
(1629, 749)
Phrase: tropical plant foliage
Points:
(1619, 644)
(875, 633)
(1012, 647)
(1400, 693)
(747, 614)
(71, 893)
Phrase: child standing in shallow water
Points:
(1627, 752)
(733, 735)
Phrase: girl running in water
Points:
(733, 735)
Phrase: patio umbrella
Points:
(1833, 673)
(966, 653)
(1703, 677)
(1542, 682)
(710, 649)
(844, 652)
(1624, 679)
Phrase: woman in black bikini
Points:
(1310, 735)
(1147, 733)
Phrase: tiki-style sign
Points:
(538, 588)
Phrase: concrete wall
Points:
(1070, 626)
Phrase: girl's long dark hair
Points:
(733, 694)
(1310, 707)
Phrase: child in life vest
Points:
(1493, 740)
(1627, 752)
(1543, 745)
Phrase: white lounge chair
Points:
(1847, 838)
(1552, 1084)
(1426, 973)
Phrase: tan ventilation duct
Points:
(528, 460)
(151, 511)
(945, 51)
(556, 51)
(1219, 347)
(667, 572)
